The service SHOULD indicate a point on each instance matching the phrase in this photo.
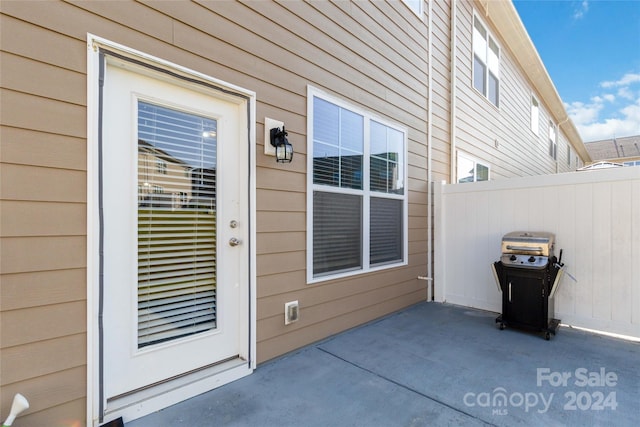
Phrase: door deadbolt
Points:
(233, 224)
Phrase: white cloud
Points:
(583, 114)
(607, 115)
(632, 112)
(622, 122)
(626, 80)
(626, 93)
(581, 10)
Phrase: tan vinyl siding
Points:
(372, 54)
(43, 221)
(351, 36)
(43, 358)
(24, 290)
(26, 147)
(54, 399)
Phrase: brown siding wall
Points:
(355, 50)
(358, 53)
(42, 221)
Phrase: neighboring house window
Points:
(415, 5)
(161, 166)
(568, 155)
(535, 115)
(184, 198)
(486, 62)
(470, 170)
(357, 197)
(636, 163)
(553, 142)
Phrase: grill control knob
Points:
(513, 258)
(532, 259)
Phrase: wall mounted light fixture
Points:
(284, 150)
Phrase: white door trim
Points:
(96, 48)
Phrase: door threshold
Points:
(141, 402)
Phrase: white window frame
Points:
(366, 193)
(475, 162)
(481, 48)
(535, 115)
(553, 141)
(161, 166)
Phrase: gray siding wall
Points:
(441, 89)
(501, 137)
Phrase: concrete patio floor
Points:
(431, 364)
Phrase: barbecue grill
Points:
(528, 274)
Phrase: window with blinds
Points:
(176, 224)
(385, 242)
(386, 205)
(359, 202)
(337, 232)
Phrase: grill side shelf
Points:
(496, 268)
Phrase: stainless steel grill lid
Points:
(528, 243)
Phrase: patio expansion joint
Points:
(404, 386)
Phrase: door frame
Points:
(97, 49)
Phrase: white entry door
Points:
(175, 215)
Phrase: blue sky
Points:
(591, 49)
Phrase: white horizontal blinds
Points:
(338, 147)
(337, 232)
(176, 224)
(385, 240)
(338, 141)
(386, 181)
(387, 159)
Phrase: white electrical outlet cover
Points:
(291, 312)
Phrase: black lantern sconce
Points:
(284, 150)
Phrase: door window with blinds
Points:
(176, 224)
(358, 202)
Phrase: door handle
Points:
(234, 241)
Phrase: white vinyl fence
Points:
(595, 216)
